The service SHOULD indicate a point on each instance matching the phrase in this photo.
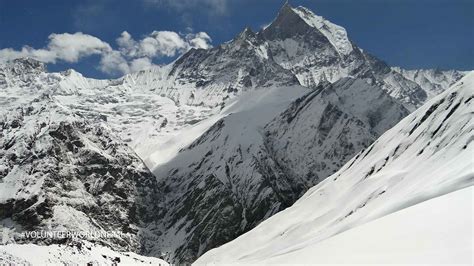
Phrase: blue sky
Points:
(407, 33)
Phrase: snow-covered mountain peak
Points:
(246, 33)
(287, 24)
(336, 34)
(295, 21)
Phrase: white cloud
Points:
(139, 53)
(162, 44)
(71, 47)
(140, 64)
(131, 56)
(114, 63)
(167, 43)
(43, 55)
(199, 40)
(127, 44)
(61, 47)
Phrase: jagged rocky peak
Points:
(336, 34)
(235, 66)
(286, 25)
(21, 71)
(248, 40)
(26, 65)
(301, 21)
(246, 33)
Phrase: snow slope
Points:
(402, 237)
(269, 148)
(78, 253)
(426, 155)
(204, 184)
(336, 34)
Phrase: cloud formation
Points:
(61, 47)
(162, 43)
(130, 56)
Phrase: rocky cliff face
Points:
(319, 132)
(61, 171)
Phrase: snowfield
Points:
(435, 231)
(427, 155)
(401, 237)
(83, 253)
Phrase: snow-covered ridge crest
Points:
(427, 155)
(432, 81)
(336, 34)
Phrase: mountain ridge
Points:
(426, 155)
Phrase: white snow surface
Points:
(84, 254)
(435, 231)
(336, 34)
(403, 237)
(253, 109)
(427, 155)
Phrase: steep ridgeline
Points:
(210, 77)
(432, 81)
(426, 155)
(316, 51)
(321, 131)
(62, 171)
(240, 172)
(229, 69)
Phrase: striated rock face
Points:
(62, 172)
(321, 131)
(63, 164)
